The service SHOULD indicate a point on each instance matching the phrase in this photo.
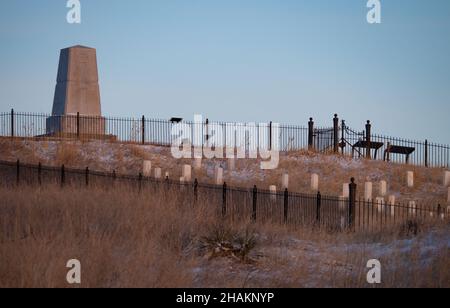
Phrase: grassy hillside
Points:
(333, 170)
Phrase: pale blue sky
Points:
(247, 60)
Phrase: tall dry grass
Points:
(122, 238)
(129, 239)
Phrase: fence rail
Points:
(339, 138)
(374, 146)
(239, 204)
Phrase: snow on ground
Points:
(333, 170)
(296, 262)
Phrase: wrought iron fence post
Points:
(167, 182)
(12, 123)
(207, 130)
(196, 190)
(78, 125)
(87, 176)
(311, 134)
(336, 133)
(63, 175)
(318, 207)
(286, 205)
(368, 139)
(143, 130)
(352, 203)
(426, 153)
(224, 200)
(343, 136)
(270, 136)
(255, 199)
(388, 152)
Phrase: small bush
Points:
(221, 241)
(411, 227)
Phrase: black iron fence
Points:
(239, 204)
(339, 138)
(398, 150)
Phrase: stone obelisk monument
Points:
(76, 105)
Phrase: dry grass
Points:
(67, 154)
(120, 237)
(125, 239)
(333, 170)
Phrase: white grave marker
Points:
(158, 173)
(187, 173)
(219, 176)
(380, 203)
(346, 190)
(343, 201)
(383, 188)
(368, 191)
(285, 181)
(412, 207)
(315, 182)
(447, 178)
(392, 204)
(410, 179)
(273, 192)
(392, 200)
(147, 168)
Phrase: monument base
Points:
(74, 126)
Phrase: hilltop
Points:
(333, 170)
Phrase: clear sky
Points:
(247, 60)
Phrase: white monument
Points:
(77, 92)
